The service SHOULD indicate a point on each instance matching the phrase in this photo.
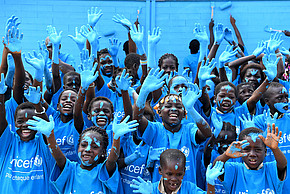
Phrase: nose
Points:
(101, 113)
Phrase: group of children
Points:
(140, 126)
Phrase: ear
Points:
(160, 170)
(266, 100)
(89, 117)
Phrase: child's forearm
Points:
(3, 121)
(200, 122)
(210, 189)
(89, 96)
(280, 158)
(56, 152)
(4, 64)
(222, 158)
(127, 103)
(240, 61)
(113, 156)
(19, 78)
(78, 107)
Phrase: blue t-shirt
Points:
(135, 169)
(186, 188)
(286, 84)
(284, 142)
(157, 136)
(74, 179)
(24, 166)
(191, 61)
(66, 135)
(239, 179)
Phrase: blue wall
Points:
(176, 20)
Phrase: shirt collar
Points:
(162, 189)
(260, 166)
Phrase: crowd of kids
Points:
(137, 125)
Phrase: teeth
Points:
(173, 115)
(26, 131)
(101, 120)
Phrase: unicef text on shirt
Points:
(29, 163)
(69, 140)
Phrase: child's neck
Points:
(66, 118)
(172, 128)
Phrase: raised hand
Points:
(155, 37)
(284, 51)
(87, 70)
(37, 62)
(217, 123)
(54, 38)
(41, 125)
(187, 73)
(260, 49)
(247, 121)
(11, 22)
(94, 16)
(270, 62)
(3, 87)
(154, 80)
(124, 127)
(268, 117)
(33, 95)
(229, 35)
(114, 46)
(137, 34)
(78, 39)
(171, 75)
(135, 155)
(43, 50)
(200, 34)
(274, 42)
(13, 39)
(11, 71)
(219, 33)
(89, 33)
(124, 81)
(213, 173)
(234, 150)
(205, 70)
(153, 155)
(122, 20)
(272, 138)
(141, 186)
(227, 55)
(190, 96)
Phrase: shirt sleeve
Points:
(230, 175)
(6, 139)
(112, 182)
(185, 62)
(151, 132)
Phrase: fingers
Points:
(126, 119)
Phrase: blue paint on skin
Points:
(254, 136)
(178, 81)
(233, 149)
(95, 118)
(105, 58)
(101, 104)
(259, 80)
(247, 80)
(176, 167)
(74, 82)
(283, 91)
(226, 136)
(254, 71)
(228, 88)
(97, 142)
(69, 95)
(173, 109)
(165, 179)
(280, 107)
(89, 141)
(26, 115)
(115, 149)
(85, 163)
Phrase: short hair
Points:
(117, 70)
(102, 51)
(268, 92)
(168, 55)
(105, 139)
(71, 89)
(99, 98)
(71, 73)
(229, 127)
(132, 61)
(245, 133)
(252, 64)
(24, 105)
(172, 155)
(194, 46)
(126, 47)
(220, 85)
(244, 84)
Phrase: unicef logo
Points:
(38, 161)
(267, 191)
(185, 150)
(70, 140)
(146, 172)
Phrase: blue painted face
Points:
(226, 99)
(178, 83)
(106, 65)
(101, 114)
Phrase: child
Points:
(254, 175)
(169, 63)
(172, 169)
(171, 133)
(98, 174)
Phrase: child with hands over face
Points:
(244, 177)
(171, 133)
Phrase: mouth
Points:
(25, 132)
(101, 121)
(253, 161)
(226, 106)
(67, 107)
(173, 116)
(173, 186)
(86, 157)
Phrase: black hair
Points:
(229, 127)
(194, 46)
(71, 89)
(99, 98)
(268, 92)
(24, 105)
(126, 47)
(172, 155)
(29, 75)
(117, 70)
(245, 133)
(166, 56)
(244, 84)
(102, 51)
(220, 85)
(105, 139)
(71, 73)
(132, 61)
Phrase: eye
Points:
(83, 144)
(172, 68)
(258, 149)
(169, 173)
(106, 111)
(179, 174)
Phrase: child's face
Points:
(67, 102)
(224, 140)
(172, 111)
(178, 83)
(28, 82)
(256, 152)
(168, 65)
(21, 118)
(172, 173)
(72, 82)
(253, 76)
(106, 65)
(90, 149)
(101, 113)
(226, 99)
(244, 93)
(277, 95)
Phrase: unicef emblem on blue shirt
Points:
(267, 191)
(70, 140)
(38, 161)
(185, 150)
